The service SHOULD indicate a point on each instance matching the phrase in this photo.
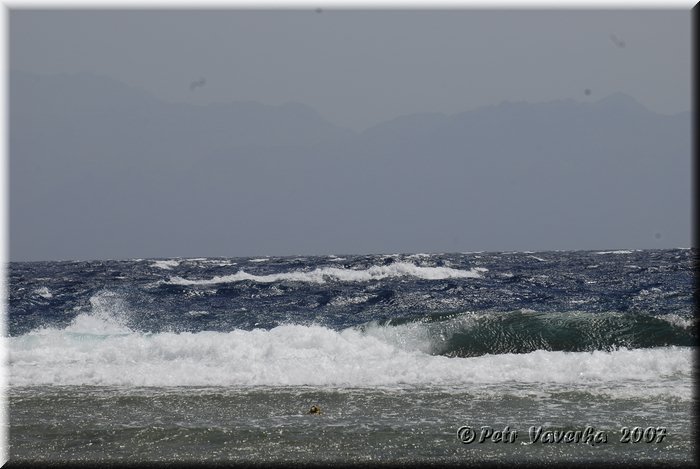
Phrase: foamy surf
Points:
(96, 350)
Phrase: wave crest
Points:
(325, 274)
(315, 355)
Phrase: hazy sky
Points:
(358, 68)
(99, 170)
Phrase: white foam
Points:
(349, 300)
(315, 355)
(167, 264)
(677, 320)
(44, 292)
(538, 258)
(107, 316)
(104, 319)
(217, 262)
(197, 313)
(323, 274)
(651, 292)
(262, 259)
(622, 251)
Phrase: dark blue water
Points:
(643, 285)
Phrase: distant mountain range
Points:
(90, 155)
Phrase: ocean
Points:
(509, 357)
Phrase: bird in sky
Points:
(197, 84)
(617, 41)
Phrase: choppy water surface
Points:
(219, 359)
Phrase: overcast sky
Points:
(102, 171)
(358, 68)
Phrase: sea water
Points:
(458, 358)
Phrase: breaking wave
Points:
(325, 274)
(597, 352)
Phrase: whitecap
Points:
(324, 274)
(44, 292)
(166, 264)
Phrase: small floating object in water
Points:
(314, 409)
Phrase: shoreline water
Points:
(357, 425)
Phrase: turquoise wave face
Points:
(473, 334)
